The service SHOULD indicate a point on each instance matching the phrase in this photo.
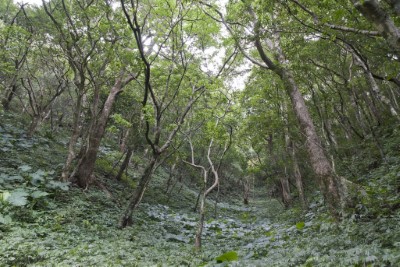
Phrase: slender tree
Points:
(178, 86)
(213, 133)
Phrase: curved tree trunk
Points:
(330, 184)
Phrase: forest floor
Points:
(47, 223)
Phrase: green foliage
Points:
(105, 167)
(227, 256)
(120, 121)
(27, 174)
(300, 225)
(76, 229)
(16, 198)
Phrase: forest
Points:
(200, 133)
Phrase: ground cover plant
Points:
(45, 223)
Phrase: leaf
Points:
(269, 233)
(38, 177)
(18, 178)
(300, 225)
(8, 178)
(58, 185)
(4, 195)
(39, 194)
(24, 168)
(176, 238)
(371, 258)
(228, 256)
(17, 198)
(5, 219)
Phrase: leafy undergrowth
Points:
(47, 223)
(78, 228)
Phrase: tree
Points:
(172, 82)
(85, 166)
(353, 83)
(15, 45)
(329, 182)
(214, 134)
(90, 44)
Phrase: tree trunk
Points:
(9, 95)
(37, 118)
(329, 182)
(11, 92)
(124, 139)
(199, 232)
(76, 129)
(286, 197)
(298, 178)
(137, 195)
(125, 163)
(170, 177)
(198, 200)
(373, 85)
(86, 164)
(33, 125)
(216, 203)
(246, 191)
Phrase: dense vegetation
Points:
(200, 133)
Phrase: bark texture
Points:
(85, 167)
(286, 197)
